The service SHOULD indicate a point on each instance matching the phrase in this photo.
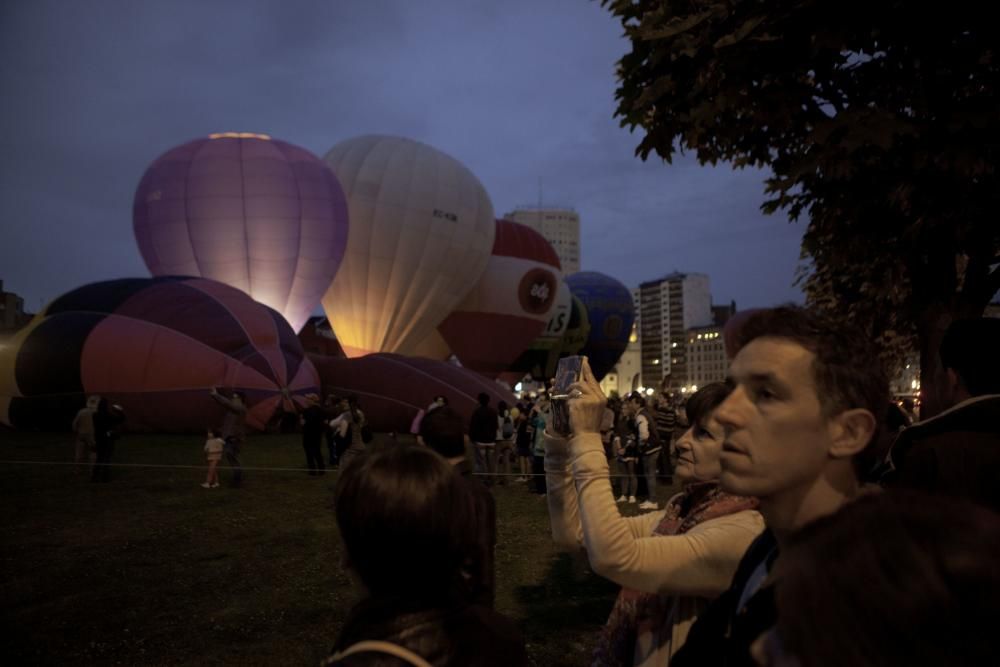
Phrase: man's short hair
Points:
(846, 369)
(442, 430)
(484, 399)
(972, 349)
(637, 398)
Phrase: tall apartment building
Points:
(668, 307)
(559, 226)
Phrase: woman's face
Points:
(698, 450)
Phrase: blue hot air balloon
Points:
(611, 314)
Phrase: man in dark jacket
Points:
(483, 433)
(648, 442)
(799, 426)
(957, 452)
(441, 430)
(107, 420)
(313, 421)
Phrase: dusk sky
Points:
(518, 91)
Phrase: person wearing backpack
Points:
(505, 440)
(648, 442)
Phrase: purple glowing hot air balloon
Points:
(261, 215)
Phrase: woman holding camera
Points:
(670, 563)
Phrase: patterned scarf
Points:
(635, 612)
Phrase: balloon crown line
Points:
(239, 135)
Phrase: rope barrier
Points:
(223, 466)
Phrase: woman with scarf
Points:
(670, 563)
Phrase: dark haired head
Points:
(703, 402)
(443, 431)
(846, 369)
(502, 407)
(894, 578)
(637, 398)
(407, 521)
(972, 349)
(484, 399)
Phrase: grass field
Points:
(151, 569)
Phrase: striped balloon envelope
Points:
(261, 215)
(509, 306)
(421, 232)
(155, 346)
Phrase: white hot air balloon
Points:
(420, 237)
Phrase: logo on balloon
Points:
(537, 291)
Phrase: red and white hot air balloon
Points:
(510, 305)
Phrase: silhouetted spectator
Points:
(957, 452)
(891, 579)
(408, 524)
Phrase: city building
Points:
(12, 315)
(706, 357)
(625, 377)
(559, 225)
(668, 307)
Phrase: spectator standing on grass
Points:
(107, 422)
(626, 456)
(418, 614)
(665, 417)
(671, 563)
(524, 443)
(313, 420)
(541, 417)
(85, 449)
(234, 429)
(505, 441)
(648, 443)
(354, 420)
(330, 410)
(214, 446)
(483, 434)
(957, 452)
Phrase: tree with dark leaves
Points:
(879, 124)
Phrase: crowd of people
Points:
(798, 537)
(813, 525)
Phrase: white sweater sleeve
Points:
(700, 562)
(564, 510)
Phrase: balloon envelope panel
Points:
(540, 358)
(421, 233)
(155, 346)
(509, 306)
(611, 313)
(392, 388)
(261, 215)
